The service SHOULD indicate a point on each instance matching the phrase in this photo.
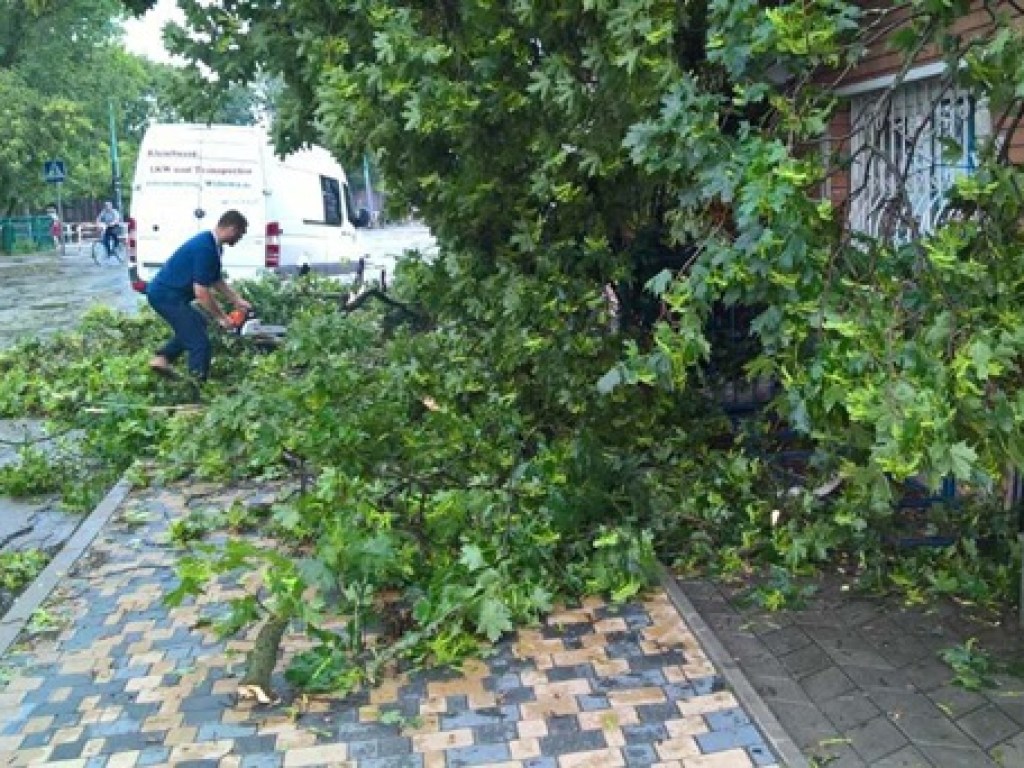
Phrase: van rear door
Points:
(232, 176)
(166, 189)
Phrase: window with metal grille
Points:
(909, 146)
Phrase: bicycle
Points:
(100, 254)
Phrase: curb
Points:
(19, 614)
(781, 742)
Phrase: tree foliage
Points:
(63, 75)
(672, 150)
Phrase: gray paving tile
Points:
(988, 726)
(806, 724)
(879, 678)
(908, 757)
(900, 703)
(779, 688)
(850, 710)
(806, 661)
(783, 641)
(838, 755)
(933, 731)
(826, 685)
(952, 757)
(876, 739)
(1010, 752)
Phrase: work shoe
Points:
(161, 367)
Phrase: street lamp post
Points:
(115, 166)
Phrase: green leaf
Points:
(472, 557)
(494, 619)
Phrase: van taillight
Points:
(131, 243)
(272, 257)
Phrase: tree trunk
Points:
(260, 663)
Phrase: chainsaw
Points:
(247, 325)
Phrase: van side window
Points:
(331, 191)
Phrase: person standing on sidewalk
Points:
(56, 230)
(110, 220)
(194, 273)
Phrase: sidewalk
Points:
(105, 675)
(857, 681)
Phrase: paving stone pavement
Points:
(857, 681)
(107, 676)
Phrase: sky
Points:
(142, 36)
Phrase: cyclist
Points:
(110, 220)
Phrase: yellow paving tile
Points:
(598, 758)
(607, 719)
(572, 616)
(297, 740)
(636, 696)
(532, 729)
(547, 706)
(162, 722)
(579, 656)
(611, 667)
(607, 626)
(563, 688)
(435, 760)
(23, 684)
(677, 748)
(433, 705)
(437, 742)
(325, 754)
(123, 760)
(11, 700)
(701, 705)
(143, 683)
(734, 758)
(64, 736)
(178, 736)
(29, 757)
(475, 668)
(457, 687)
(524, 749)
(37, 724)
(687, 726)
(224, 685)
(92, 747)
(482, 700)
(202, 750)
(531, 678)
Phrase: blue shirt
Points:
(196, 261)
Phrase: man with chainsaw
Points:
(194, 273)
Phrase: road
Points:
(43, 293)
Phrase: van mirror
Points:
(362, 219)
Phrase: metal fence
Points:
(25, 233)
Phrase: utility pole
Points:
(115, 166)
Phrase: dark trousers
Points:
(110, 238)
(189, 333)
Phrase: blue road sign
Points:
(53, 170)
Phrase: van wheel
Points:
(304, 270)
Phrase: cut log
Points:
(260, 663)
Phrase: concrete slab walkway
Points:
(105, 675)
(857, 681)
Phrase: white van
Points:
(299, 208)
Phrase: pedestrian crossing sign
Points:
(53, 170)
